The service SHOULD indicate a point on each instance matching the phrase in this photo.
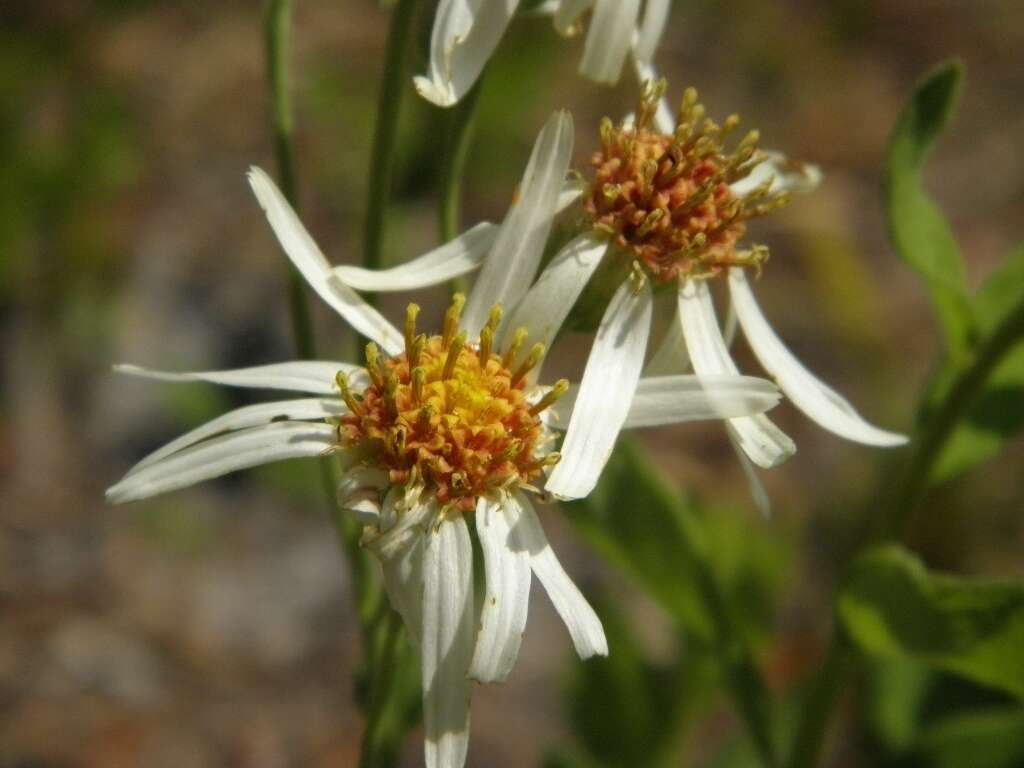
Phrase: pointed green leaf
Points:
(893, 607)
(917, 228)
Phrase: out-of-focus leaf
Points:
(635, 520)
(918, 229)
(896, 698)
(893, 607)
(992, 739)
(998, 413)
(623, 706)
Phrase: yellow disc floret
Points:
(666, 199)
(449, 414)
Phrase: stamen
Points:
(417, 349)
(451, 318)
(454, 350)
(531, 361)
(346, 394)
(518, 339)
(418, 377)
(560, 388)
(494, 319)
(411, 312)
(372, 367)
(486, 341)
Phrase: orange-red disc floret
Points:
(667, 200)
(449, 415)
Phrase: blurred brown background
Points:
(213, 626)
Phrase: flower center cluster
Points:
(667, 199)
(450, 415)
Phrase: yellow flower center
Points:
(666, 199)
(450, 415)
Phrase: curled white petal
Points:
(512, 263)
(465, 35)
(572, 190)
(447, 643)
(576, 613)
(811, 395)
(456, 257)
(313, 376)
(762, 441)
(313, 266)
(651, 29)
(221, 455)
(786, 175)
(754, 484)
(401, 557)
(606, 391)
(609, 39)
(507, 596)
(675, 399)
(249, 416)
(359, 492)
(545, 307)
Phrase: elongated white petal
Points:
(670, 357)
(651, 29)
(512, 263)
(579, 618)
(311, 263)
(664, 118)
(454, 258)
(787, 176)
(609, 39)
(249, 416)
(359, 492)
(811, 395)
(762, 441)
(507, 597)
(568, 15)
(221, 455)
(545, 307)
(447, 644)
(676, 399)
(465, 35)
(757, 491)
(313, 376)
(605, 394)
(572, 190)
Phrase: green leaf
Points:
(917, 228)
(998, 413)
(893, 607)
(993, 739)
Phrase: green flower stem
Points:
(386, 133)
(277, 29)
(896, 519)
(459, 121)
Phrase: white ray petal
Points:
(757, 491)
(609, 39)
(400, 550)
(465, 35)
(221, 455)
(249, 416)
(572, 190)
(512, 263)
(545, 307)
(568, 14)
(676, 399)
(811, 395)
(359, 492)
(300, 247)
(313, 376)
(651, 29)
(670, 357)
(762, 441)
(507, 597)
(456, 257)
(664, 117)
(447, 643)
(787, 176)
(606, 391)
(579, 618)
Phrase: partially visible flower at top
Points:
(432, 429)
(465, 35)
(667, 204)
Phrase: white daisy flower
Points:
(466, 33)
(667, 206)
(433, 430)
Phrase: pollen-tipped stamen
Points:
(346, 393)
(411, 313)
(518, 339)
(532, 360)
(454, 350)
(560, 388)
(452, 317)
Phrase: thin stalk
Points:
(459, 122)
(896, 519)
(385, 135)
